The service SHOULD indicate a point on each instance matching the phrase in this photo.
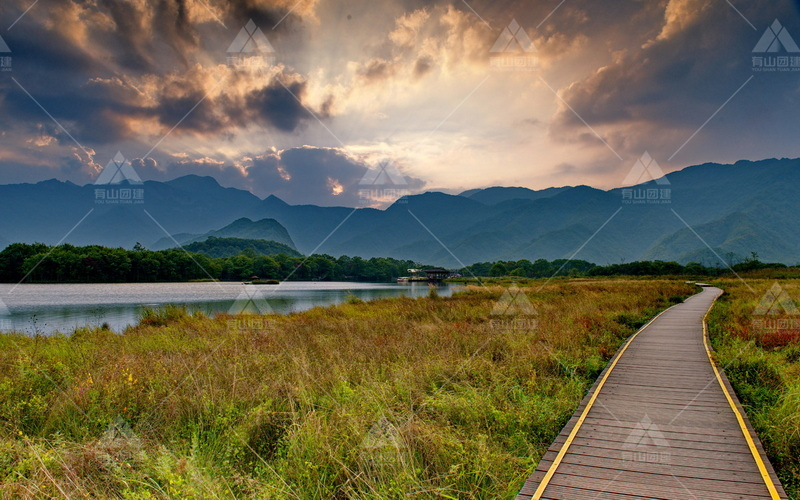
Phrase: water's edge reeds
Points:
(432, 397)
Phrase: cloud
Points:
(679, 16)
(130, 70)
(309, 175)
(388, 79)
(657, 97)
(141, 164)
(225, 172)
(269, 13)
(301, 175)
(279, 105)
(423, 65)
(375, 69)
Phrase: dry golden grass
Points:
(761, 356)
(394, 398)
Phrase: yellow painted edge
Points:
(756, 455)
(563, 451)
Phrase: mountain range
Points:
(244, 228)
(701, 213)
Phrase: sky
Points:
(311, 96)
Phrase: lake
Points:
(47, 309)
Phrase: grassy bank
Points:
(762, 362)
(428, 398)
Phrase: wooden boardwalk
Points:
(661, 422)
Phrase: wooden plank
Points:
(660, 427)
(591, 445)
(700, 485)
(744, 478)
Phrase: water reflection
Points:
(46, 309)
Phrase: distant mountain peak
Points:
(244, 220)
(499, 194)
(54, 182)
(194, 181)
(242, 228)
(272, 199)
(476, 226)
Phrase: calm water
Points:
(46, 309)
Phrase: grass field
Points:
(760, 353)
(399, 398)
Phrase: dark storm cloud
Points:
(678, 79)
(89, 118)
(278, 105)
(133, 53)
(376, 69)
(303, 175)
(423, 65)
(49, 55)
(312, 176)
(199, 113)
(66, 68)
(259, 12)
(307, 176)
(144, 164)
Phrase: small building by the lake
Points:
(437, 274)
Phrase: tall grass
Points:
(763, 366)
(398, 398)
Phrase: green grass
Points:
(764, 370)
(398, 398)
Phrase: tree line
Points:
(40, 263)
(541, 268)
